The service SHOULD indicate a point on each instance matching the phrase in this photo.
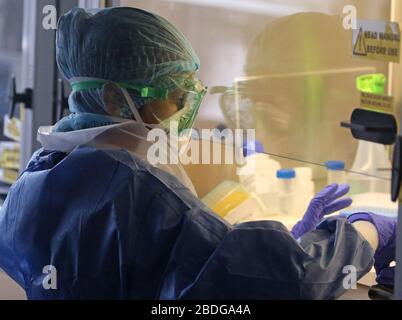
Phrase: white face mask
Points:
(183, 140)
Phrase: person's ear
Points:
(113, 99)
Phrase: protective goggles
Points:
(186, 93)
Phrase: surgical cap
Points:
(122, 45)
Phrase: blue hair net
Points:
(121, 45)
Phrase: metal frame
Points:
(27, 76)
(37, 73)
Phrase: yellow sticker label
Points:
(8, 176)
(10, 159)
(12, 128)
(377, 40)
(10, 155)
(377, 102)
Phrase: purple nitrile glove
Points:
(385, 253)
(324, 202)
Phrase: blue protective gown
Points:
(116, 228)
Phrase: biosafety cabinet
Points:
(294, 71)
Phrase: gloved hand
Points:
(325, 202)
(385, 253)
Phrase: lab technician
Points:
(90, 207)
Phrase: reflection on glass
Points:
(299, 85)
(292, 78)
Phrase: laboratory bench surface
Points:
(360, 293)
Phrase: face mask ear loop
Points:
(132, 106)
(134, 110)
